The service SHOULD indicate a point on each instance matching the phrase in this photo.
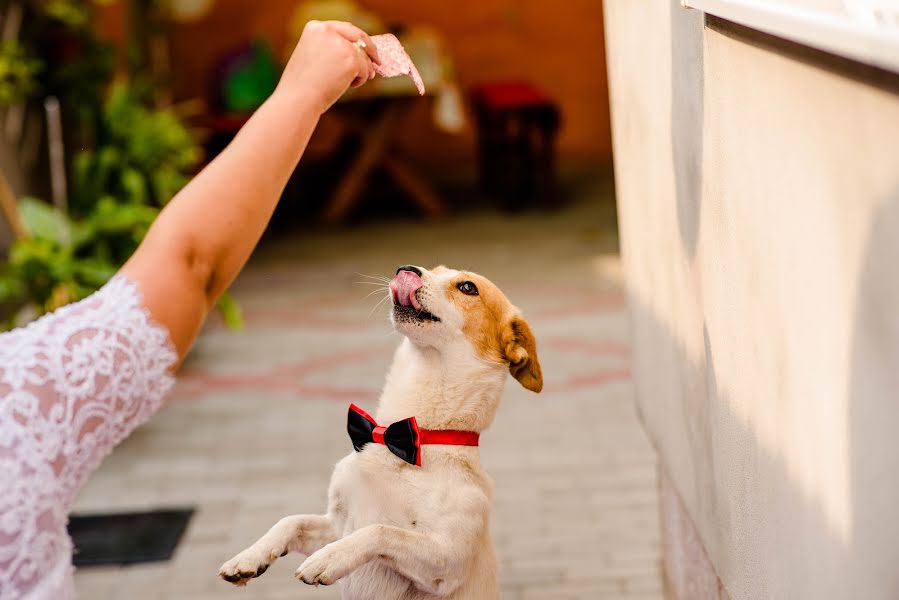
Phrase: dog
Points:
(408, 511)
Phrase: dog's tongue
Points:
(403, 288)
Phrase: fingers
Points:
(365, 68)
(363, 51)
(353, 33)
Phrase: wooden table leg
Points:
(374, 144)
(419, 191)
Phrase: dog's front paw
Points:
(250, 563)
(323, 567)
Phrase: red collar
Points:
(449, 437)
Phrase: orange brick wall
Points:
(556, 44)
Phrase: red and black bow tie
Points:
(403, 438)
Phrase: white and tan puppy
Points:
(394, 530)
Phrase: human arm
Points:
(205, 235)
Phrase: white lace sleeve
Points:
(72, 385)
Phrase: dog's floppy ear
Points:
(520, 349)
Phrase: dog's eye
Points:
(467, 287)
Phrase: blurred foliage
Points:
(75, 14)
(64, 260)
(72, 13)
(133, 160)
(18, 73)
(81, 79)
(146, 156)
(79, 63)
(230, 311)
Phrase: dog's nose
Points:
(411, 268)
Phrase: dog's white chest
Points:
(381, 489)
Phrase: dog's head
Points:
(442, 308)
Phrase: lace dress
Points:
(72, 385)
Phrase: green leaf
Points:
(83, 233)
(70, 12)
(109, 158)
(168, 181)
(12, 288)
(41, 265)
(80, 172)
(45, 222)
(92, 273)
(18, 73)
(112, 217)
(134, 185)
(230, 311)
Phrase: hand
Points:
(328, 59)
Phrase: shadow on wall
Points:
(687, 94)
(724, 458)
(748, 491)
(873, 418)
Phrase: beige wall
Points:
(759, 208)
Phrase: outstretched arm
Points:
(206, 233)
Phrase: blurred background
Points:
(503, 167)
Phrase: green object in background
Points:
(145, 157)
(132, 159)
(250, 75)
(230, 311)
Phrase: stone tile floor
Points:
(258, 418)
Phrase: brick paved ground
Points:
(258, 417)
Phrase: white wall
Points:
(759, 207)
